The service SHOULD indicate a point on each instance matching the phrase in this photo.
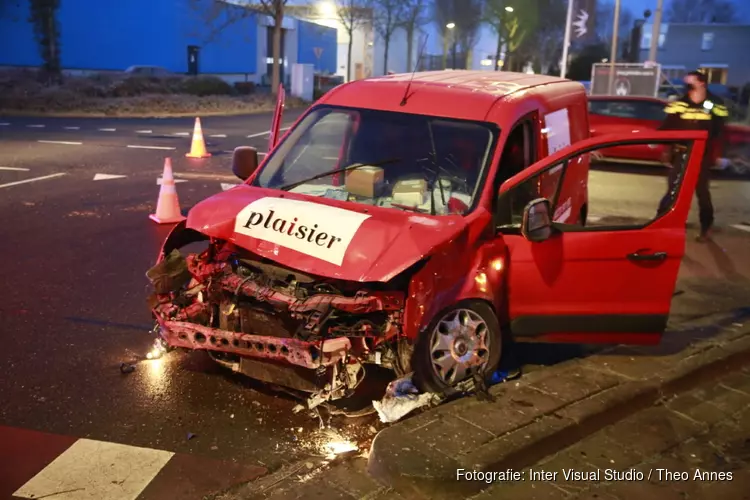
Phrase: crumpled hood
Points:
(321, 236)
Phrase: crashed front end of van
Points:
(246, 301)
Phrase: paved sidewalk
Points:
(694, 446)
(530, 420)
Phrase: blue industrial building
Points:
(227, 40)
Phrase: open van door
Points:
(610, 276)
(277, 116)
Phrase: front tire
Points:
(459, 342)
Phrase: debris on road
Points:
(126, 368)
(401, 398)
(190, 436)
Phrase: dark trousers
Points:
(702, 194)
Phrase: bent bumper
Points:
(310, 355)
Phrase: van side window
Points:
(545, 184)
(518, 154)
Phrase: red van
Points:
(624, 115)
(413, 222)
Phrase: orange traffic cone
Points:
(168, 206)
(198, 147)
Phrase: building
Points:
(368, 48)
(183, 36)
(719, 49)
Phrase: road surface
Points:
(75, 195)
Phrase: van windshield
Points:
(397, 160)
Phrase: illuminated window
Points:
(707, 42)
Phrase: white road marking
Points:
(742, 227)
(162, 148)
(230, 151)
(182, 133)
(144, 131)
(225, 186)
(67, 143)
(33, 179)
(218, 135)
(105, 177)
(96, 469)
(72, 128)
(18, 169)
(218, 177)
(35, 126)
(160, 180)
(260, 134)
(107, 130)
(4, 124)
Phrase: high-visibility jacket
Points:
(709, 115)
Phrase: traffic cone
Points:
(168, 206)
(198, 146)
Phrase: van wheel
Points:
(461, 341)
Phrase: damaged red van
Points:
(414, 222)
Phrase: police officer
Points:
(698, 109)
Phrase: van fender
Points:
(456, 274)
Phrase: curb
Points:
(399, 458)
(62, 114)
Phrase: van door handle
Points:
(647, 256)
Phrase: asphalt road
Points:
(74, 255)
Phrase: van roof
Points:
(472, 92)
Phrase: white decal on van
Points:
(558, 130)
(317, 230)
(563, 212)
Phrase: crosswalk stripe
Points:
(37, 465)
(97, 469)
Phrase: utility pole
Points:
(566, 40)
(613, 51)
(656, 32)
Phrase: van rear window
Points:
(623, 108)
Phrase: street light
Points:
(509, 9)
(450, 26)
(327, 9)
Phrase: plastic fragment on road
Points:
(126, 368)
(298, 408)
(401, 398)
(190, 436)
(501, 376)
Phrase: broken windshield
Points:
(434, 165)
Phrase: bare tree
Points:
(468, 21)
(701, 11)
(444, 14)
(544, 45)
(353, 15)
(219, 15)
(512, 21)
(387, 17)
(414, 17)
(605, 21)
(275, 9)
(47, 33)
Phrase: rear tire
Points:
(460, 341)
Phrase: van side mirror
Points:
(537, 224)
(244, 162)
